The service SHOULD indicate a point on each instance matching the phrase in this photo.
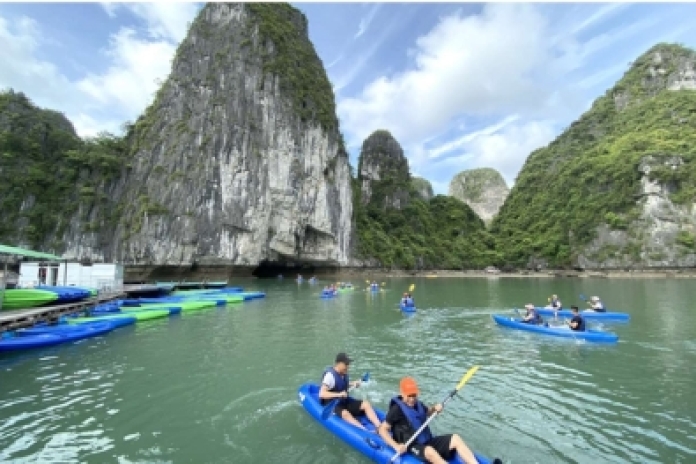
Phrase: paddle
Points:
(449, 396)
(328, 409)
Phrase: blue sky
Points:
(460, 85)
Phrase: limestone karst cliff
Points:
(617, 188)
(383, 171)
(238, 160)
(399, 223)
(484, 189)
(423, 187)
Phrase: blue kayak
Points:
(52, 335)
(565, 332)
(607, 316)
(366, 441)
(407, 309)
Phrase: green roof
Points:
(10, 250)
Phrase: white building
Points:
(103, 277)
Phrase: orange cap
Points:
(408, 386)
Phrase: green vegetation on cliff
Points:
(46, 170)
(442, 233)
(439, 233)
(590, 174)
(295, 62)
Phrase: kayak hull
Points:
(407, 309)
(589, 335)
(367, 442)
(589, 315)
(53, 336)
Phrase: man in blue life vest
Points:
(555, 303)
(532, 316)
(596, 305)
(577, 322)
(406, 415)
(335, 384)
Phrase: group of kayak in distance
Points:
(401, 434)
(576, 323)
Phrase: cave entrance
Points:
(272, 269)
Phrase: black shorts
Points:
(351, 405)
(441, 443)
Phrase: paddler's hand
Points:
(343, 394)
(400, 449)
(437, 407)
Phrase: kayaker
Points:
(335, 384)
(532, 317)
(555, 303)
(406, 415)
(596, 305)
(404, 299)
(409, 301)
(577, 323)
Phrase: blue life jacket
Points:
(341, 383)
(416, 418)
(581, 326)
(409, 302)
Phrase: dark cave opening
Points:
(272, 269)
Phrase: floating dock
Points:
(20, 318)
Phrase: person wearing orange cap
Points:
(406, 415)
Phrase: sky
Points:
(459, 85)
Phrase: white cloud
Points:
(508, 60)
(41, 81)
(97, 102)
(129, 83)
(166, 20)
(471, 136)
(365, 21)
(452, 76)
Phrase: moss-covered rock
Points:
(592, 176)
(484, 189)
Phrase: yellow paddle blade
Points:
(412, 287)
(466, 377)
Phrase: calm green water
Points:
(220, 386)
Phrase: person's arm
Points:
(325, 394)
(384, 429)
(326, 384)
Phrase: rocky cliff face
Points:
(383, 170)
(483, 189)
(239, 159)
(422, 188)
(619, 185)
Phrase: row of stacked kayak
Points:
(18, 298)
(106, 317)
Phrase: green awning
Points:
(10, 250)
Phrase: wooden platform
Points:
(19, 318)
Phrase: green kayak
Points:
(142, 315)
(27, 298)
